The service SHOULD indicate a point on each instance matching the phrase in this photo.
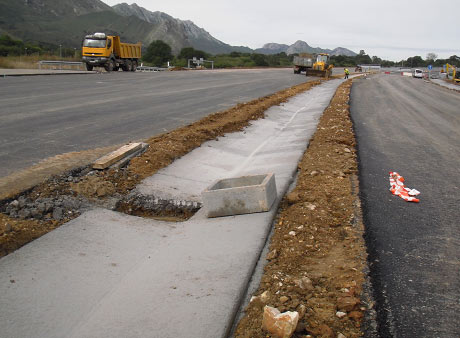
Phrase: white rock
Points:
(340, 314)
(280, 325)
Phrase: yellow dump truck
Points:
(100, 50)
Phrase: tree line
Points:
(414, 61)
(158, 53)
(12, 47)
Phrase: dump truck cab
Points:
(97, 50)
(100, 50)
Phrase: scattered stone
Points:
(347, 303)
(301, 309)
(21, 202)
(260, 300)
(8, 228)
(292, 233)
(340, 314)
(41, 207)
(304, 283)
(326, 332)
(356, 315)
(284, 299)
(272, 255)
(314, 173)
(347, 150)
(280, 325)
(35, 213)
(293, 197)
(24, 213)
(310, 206)
(341, 335)
(14, 204)
(57, 213)
(265, 297)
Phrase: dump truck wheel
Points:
(109, 66)
(89, 67)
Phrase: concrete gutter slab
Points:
(274, 144)
(446, 84)
(109, 274)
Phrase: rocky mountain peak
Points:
(68, 7)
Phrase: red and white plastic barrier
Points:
(398, 188)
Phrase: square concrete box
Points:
(241, 195)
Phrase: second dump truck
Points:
(313, 64)
(100, 50)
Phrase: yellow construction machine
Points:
(455, 74)
(313, 65)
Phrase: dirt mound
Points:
(317, 255)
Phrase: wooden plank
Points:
(109, 159)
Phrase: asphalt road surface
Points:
(412, 127)
(43, 116)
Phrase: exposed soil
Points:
(98, 187)
(25, 179)
(317, 255)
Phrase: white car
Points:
(418, 73)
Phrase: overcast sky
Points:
(390, 29)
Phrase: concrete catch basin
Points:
(240, 195)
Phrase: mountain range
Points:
(66, 22)
(301, 47)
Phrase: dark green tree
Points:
(190, 53)
(259, 60)
(235, 54)
(158, 53)
(415, 61)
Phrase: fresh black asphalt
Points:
(43, 116)
(412, 127)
